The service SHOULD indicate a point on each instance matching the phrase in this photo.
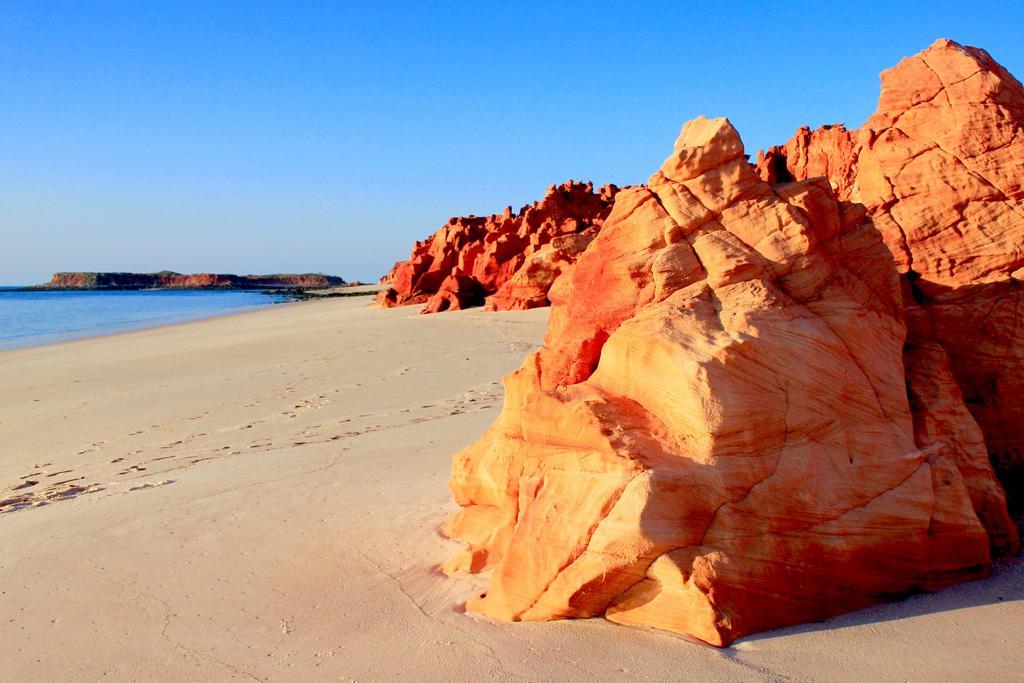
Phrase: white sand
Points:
(258, 497)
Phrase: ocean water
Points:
(30, 318)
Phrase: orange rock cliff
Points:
(766, 397)
(940, 169)
(508, 261)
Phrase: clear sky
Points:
(296, 136)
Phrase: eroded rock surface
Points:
(509, 260)
(716, 437)
(940, 169)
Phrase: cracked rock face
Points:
(940, 169)
(717, 436)
(507, 260)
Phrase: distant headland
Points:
(167, 279)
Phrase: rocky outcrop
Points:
(829, 152)
(507, 260)
(742, 416)
(528, 287)
(940, 169)
(172, 280)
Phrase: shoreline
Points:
(7, 345)
(130, 329)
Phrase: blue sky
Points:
(294, 136)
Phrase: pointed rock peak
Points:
(944, 43)
(958, 58)
(950, 49)
(702, 145)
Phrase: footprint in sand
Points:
(93, 447)
(73, 490)
(66, 481)
(151, 485)
(15, 503)
(52, 493)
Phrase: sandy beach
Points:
(257, 496)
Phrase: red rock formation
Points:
(528, 287)
(828, 152)
(506, 255)
(171, 280)
(716, 437)
(940, 168)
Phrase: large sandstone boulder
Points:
(513, 256)
(717, 436)
(940, 169)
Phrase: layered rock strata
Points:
(940, 169)
(717, 437)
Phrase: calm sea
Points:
(38, 317)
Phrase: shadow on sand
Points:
(1005, 584)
